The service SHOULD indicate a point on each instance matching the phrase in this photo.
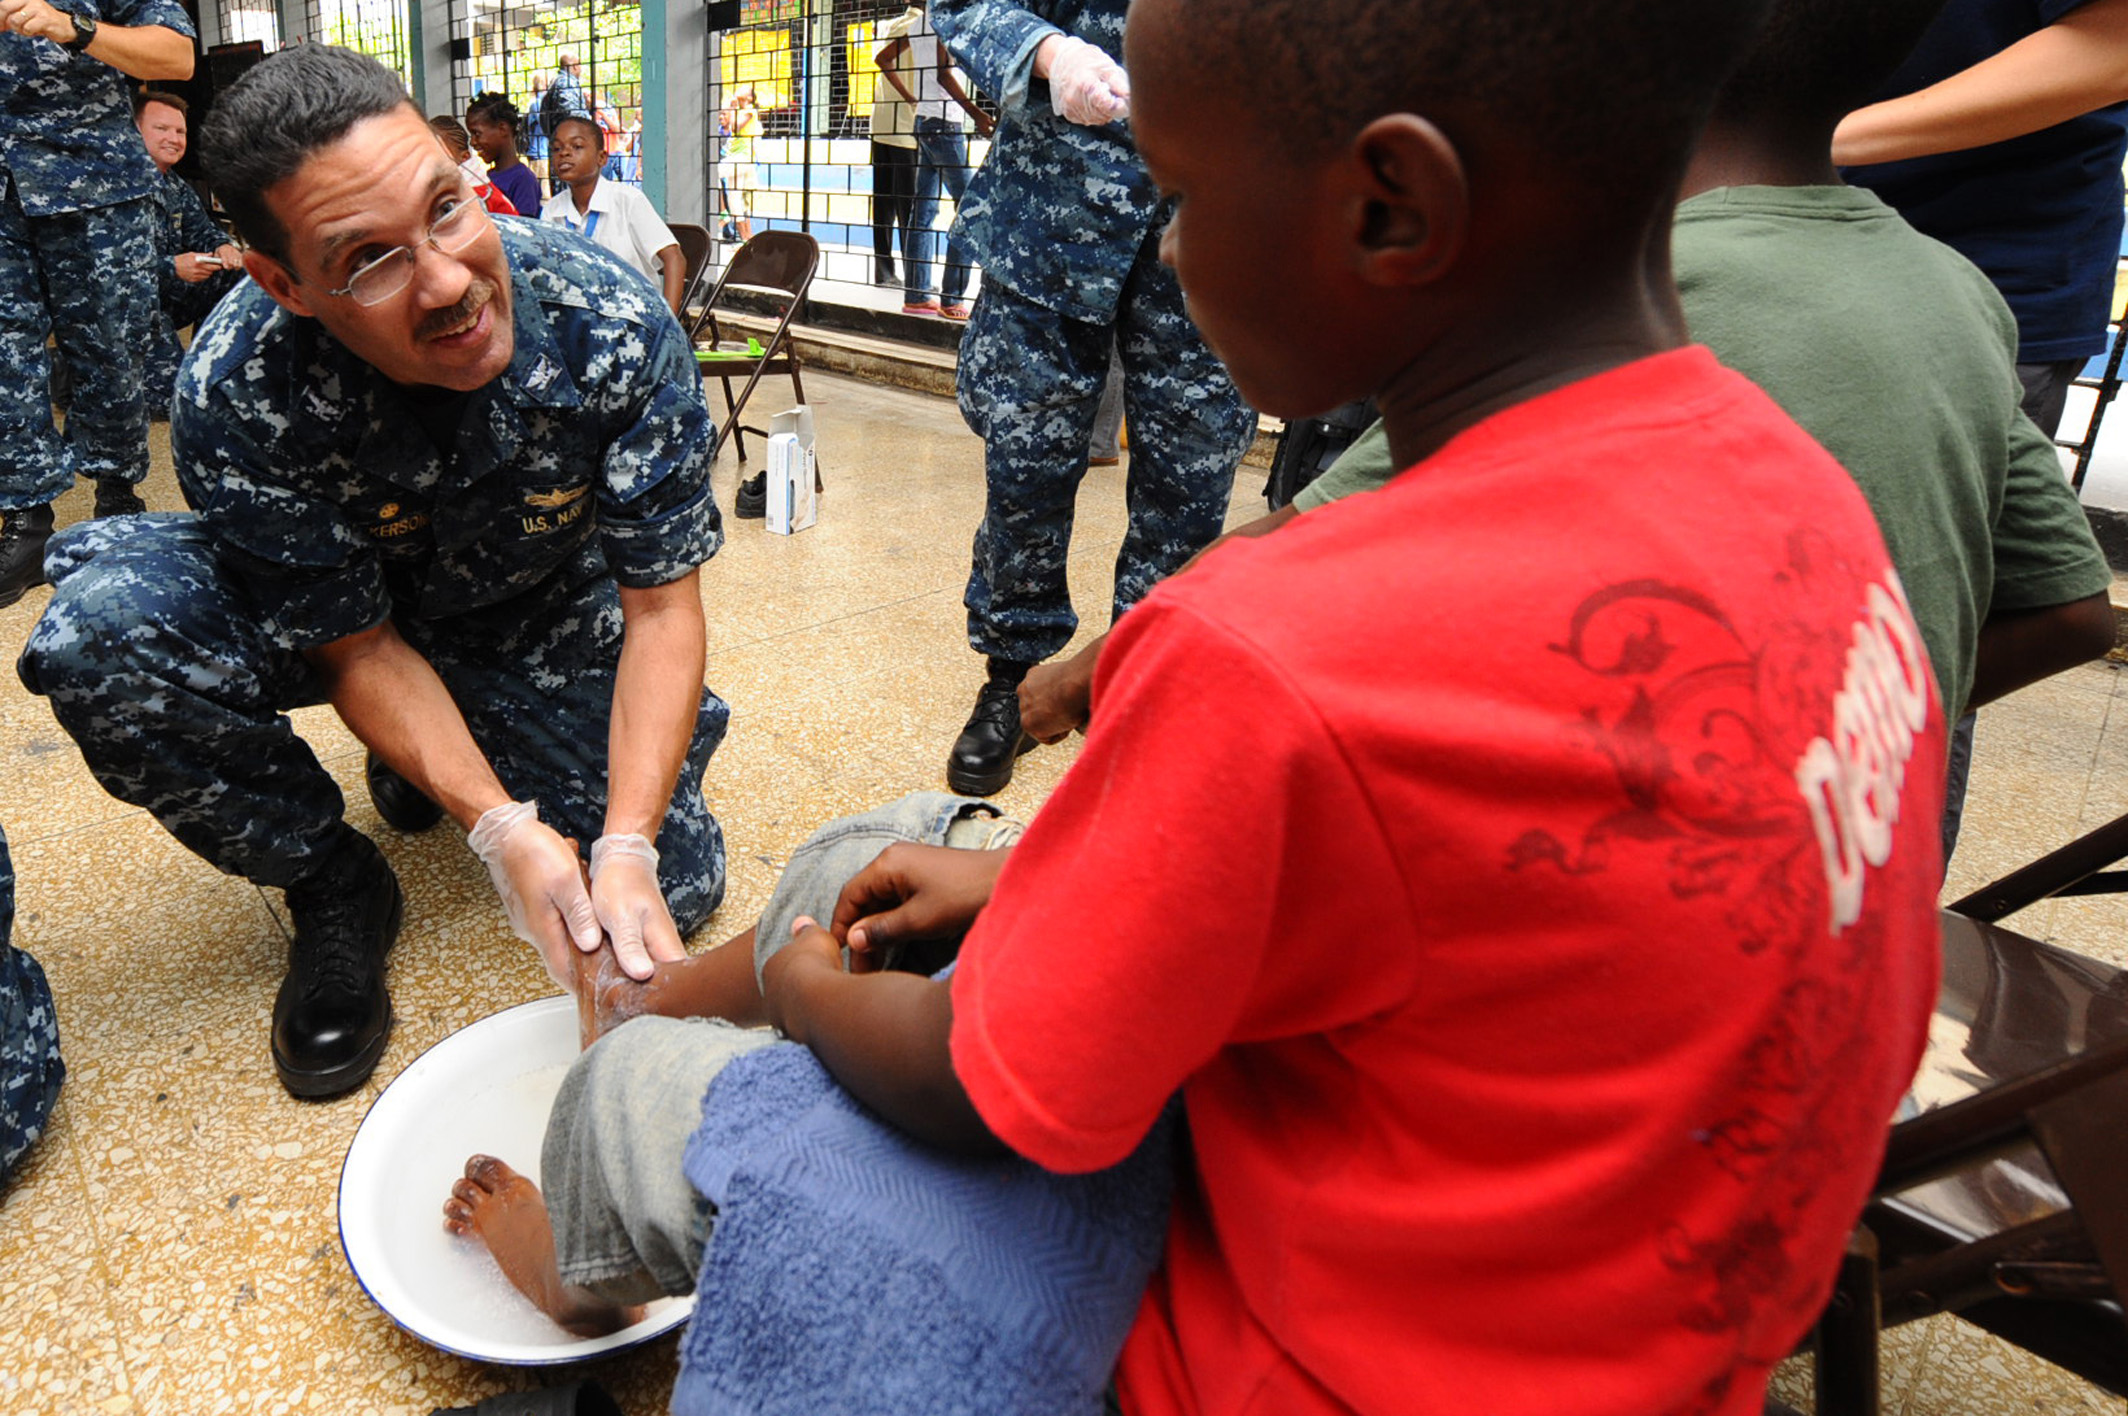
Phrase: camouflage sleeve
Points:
(657, 520)
(309, 571)
(196, 230)
(995, 42)
(168, 13)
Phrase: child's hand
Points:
(811, 947)
(909, 894)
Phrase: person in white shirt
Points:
(611, 214)
(942, 162)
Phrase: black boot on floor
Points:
(332, 1014)
(403, 805)
(22, 537)
(752, 503)
(984, 754)
(115, 496)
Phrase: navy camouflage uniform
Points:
(183, 226)
(174, 642)
(77, 239)
(30, 1069)
(1065, 222)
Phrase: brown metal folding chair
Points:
(694, 250)
(778, 265)
(2004, 1195)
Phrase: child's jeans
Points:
(627, 1225)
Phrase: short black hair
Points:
(143, 97)
(496, 108)
(300, 100)
(1818, 60)
(1608, 93)
(577, 115)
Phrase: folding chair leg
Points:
(731, 416)
(1847, 1334)
(2049, 875)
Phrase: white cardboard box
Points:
(793, 496)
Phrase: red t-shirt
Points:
(1528, 873)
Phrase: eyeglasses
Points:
(379, 280)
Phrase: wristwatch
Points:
(84, 32)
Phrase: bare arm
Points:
(1057, 698)
(2023, 647)
(656, 692)
(950, 82)
(672, 270)
(2076, 64)
(392, 699)
(142, 51)
(889, 62)
(885, 1037)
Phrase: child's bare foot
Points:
(606, 997)
(504, 1211)
(717, 983)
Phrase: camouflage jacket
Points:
(184, 226)
(66, 126)
(1060, 211)
(587, 457)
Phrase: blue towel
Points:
(854, 1270)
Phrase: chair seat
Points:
(2008, 1006)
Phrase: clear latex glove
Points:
(540, 881)
(631, 905)
(1085, 85)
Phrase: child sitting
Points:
(611, 214)
(1542, 948)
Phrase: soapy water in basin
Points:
(487, 1090)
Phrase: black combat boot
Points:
(115, 496)
(403, 805)
(984, 754)
(22, 537)
(332, 1014)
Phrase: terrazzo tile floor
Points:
(171, 1246)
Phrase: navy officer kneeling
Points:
(450, 473)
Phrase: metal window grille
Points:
(245, 20)
(804, 161)
(499, 46)
(377, 28)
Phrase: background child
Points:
(611, 214)
(492, 122)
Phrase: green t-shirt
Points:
(1897, 354)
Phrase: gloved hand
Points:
(630, 904)
(1085, 85)
(540, 880)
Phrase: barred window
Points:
(791, 94)
(378, 28)
(244, 21)
(517, 49)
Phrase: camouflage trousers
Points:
(187, 305)
(86, 279)
(1030, 386)
(156, 663)
(30, 1069)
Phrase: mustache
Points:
(477, 294)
